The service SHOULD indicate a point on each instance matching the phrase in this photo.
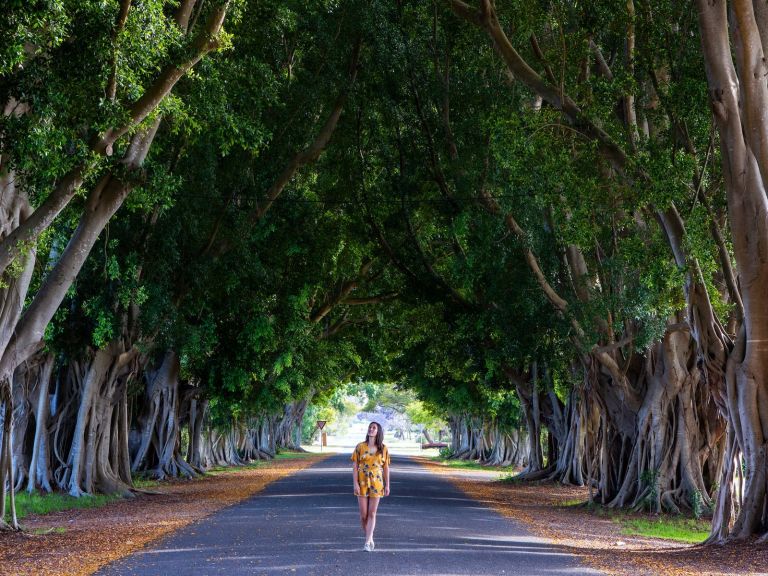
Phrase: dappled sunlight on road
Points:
(309, 524)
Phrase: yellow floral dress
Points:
(370, 469)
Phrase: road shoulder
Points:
(543, 507)
(79, 542)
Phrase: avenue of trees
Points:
(549, 220)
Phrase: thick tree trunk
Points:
(654, 446)
(739, 98)
(288, 428)
(159, 450)
(23, 337)
(625, 410)
(20, 339)
(455, 424)
(98, 449)
(574, 428)
(214, 448)
(40, 460)
(529, 400)
(15, 210)
(6, 468)
(508, 448)
(197, 415)
(673, 436)
(267, 436)
(477, 443)
(462, 438)
(31, 457)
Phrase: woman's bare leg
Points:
(362, 502)
(373, 505)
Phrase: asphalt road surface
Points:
(308, 524)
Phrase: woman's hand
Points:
(386, 490)
(357, 489)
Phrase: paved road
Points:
(308, 524)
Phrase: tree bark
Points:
(92, 464)
(159, 452)
(734, 55)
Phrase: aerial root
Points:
(5, 527)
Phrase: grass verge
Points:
(677, 528)
(142, 483)
(687, 530)
(46, 531)
(288, 455)
(471, 465)
(285, 455)
(36, 503)
(43, 503)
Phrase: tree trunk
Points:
(672, 444)
(454, 423)
(30, 451)
(159, 451)
(509, 448)
(6, 469)
(197, 415)
(20, 339)
(739, 98)
(462, 437)
(288, 428)
(529, 401)
(95, 463)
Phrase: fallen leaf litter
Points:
(598, 540)
(94, 537)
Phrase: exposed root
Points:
(535, 475)
(6, 527)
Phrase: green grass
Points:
(289, 455)
(279, 456)
(678, 528)
(216, 470)
(43, 531)
(687, 530)
(145, 483)
(574, 503)
(35, 503)
(595, 508)
(471, 465)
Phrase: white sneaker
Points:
(368, 547)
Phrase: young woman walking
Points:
(370, 477)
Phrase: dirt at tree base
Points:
(82, 541)
(597, 539)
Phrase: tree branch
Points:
(43, 216)
(122, 17)
(370, 299)
(344, 291)
(316, 147)
(439, 280)
(205, 42)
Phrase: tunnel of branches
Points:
(548, 220)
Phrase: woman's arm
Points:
(386, 479)
(355, 484)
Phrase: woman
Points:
(370, 477)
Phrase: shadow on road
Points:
(308, 524)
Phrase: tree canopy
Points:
(545, 220)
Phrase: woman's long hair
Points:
(379, 435)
